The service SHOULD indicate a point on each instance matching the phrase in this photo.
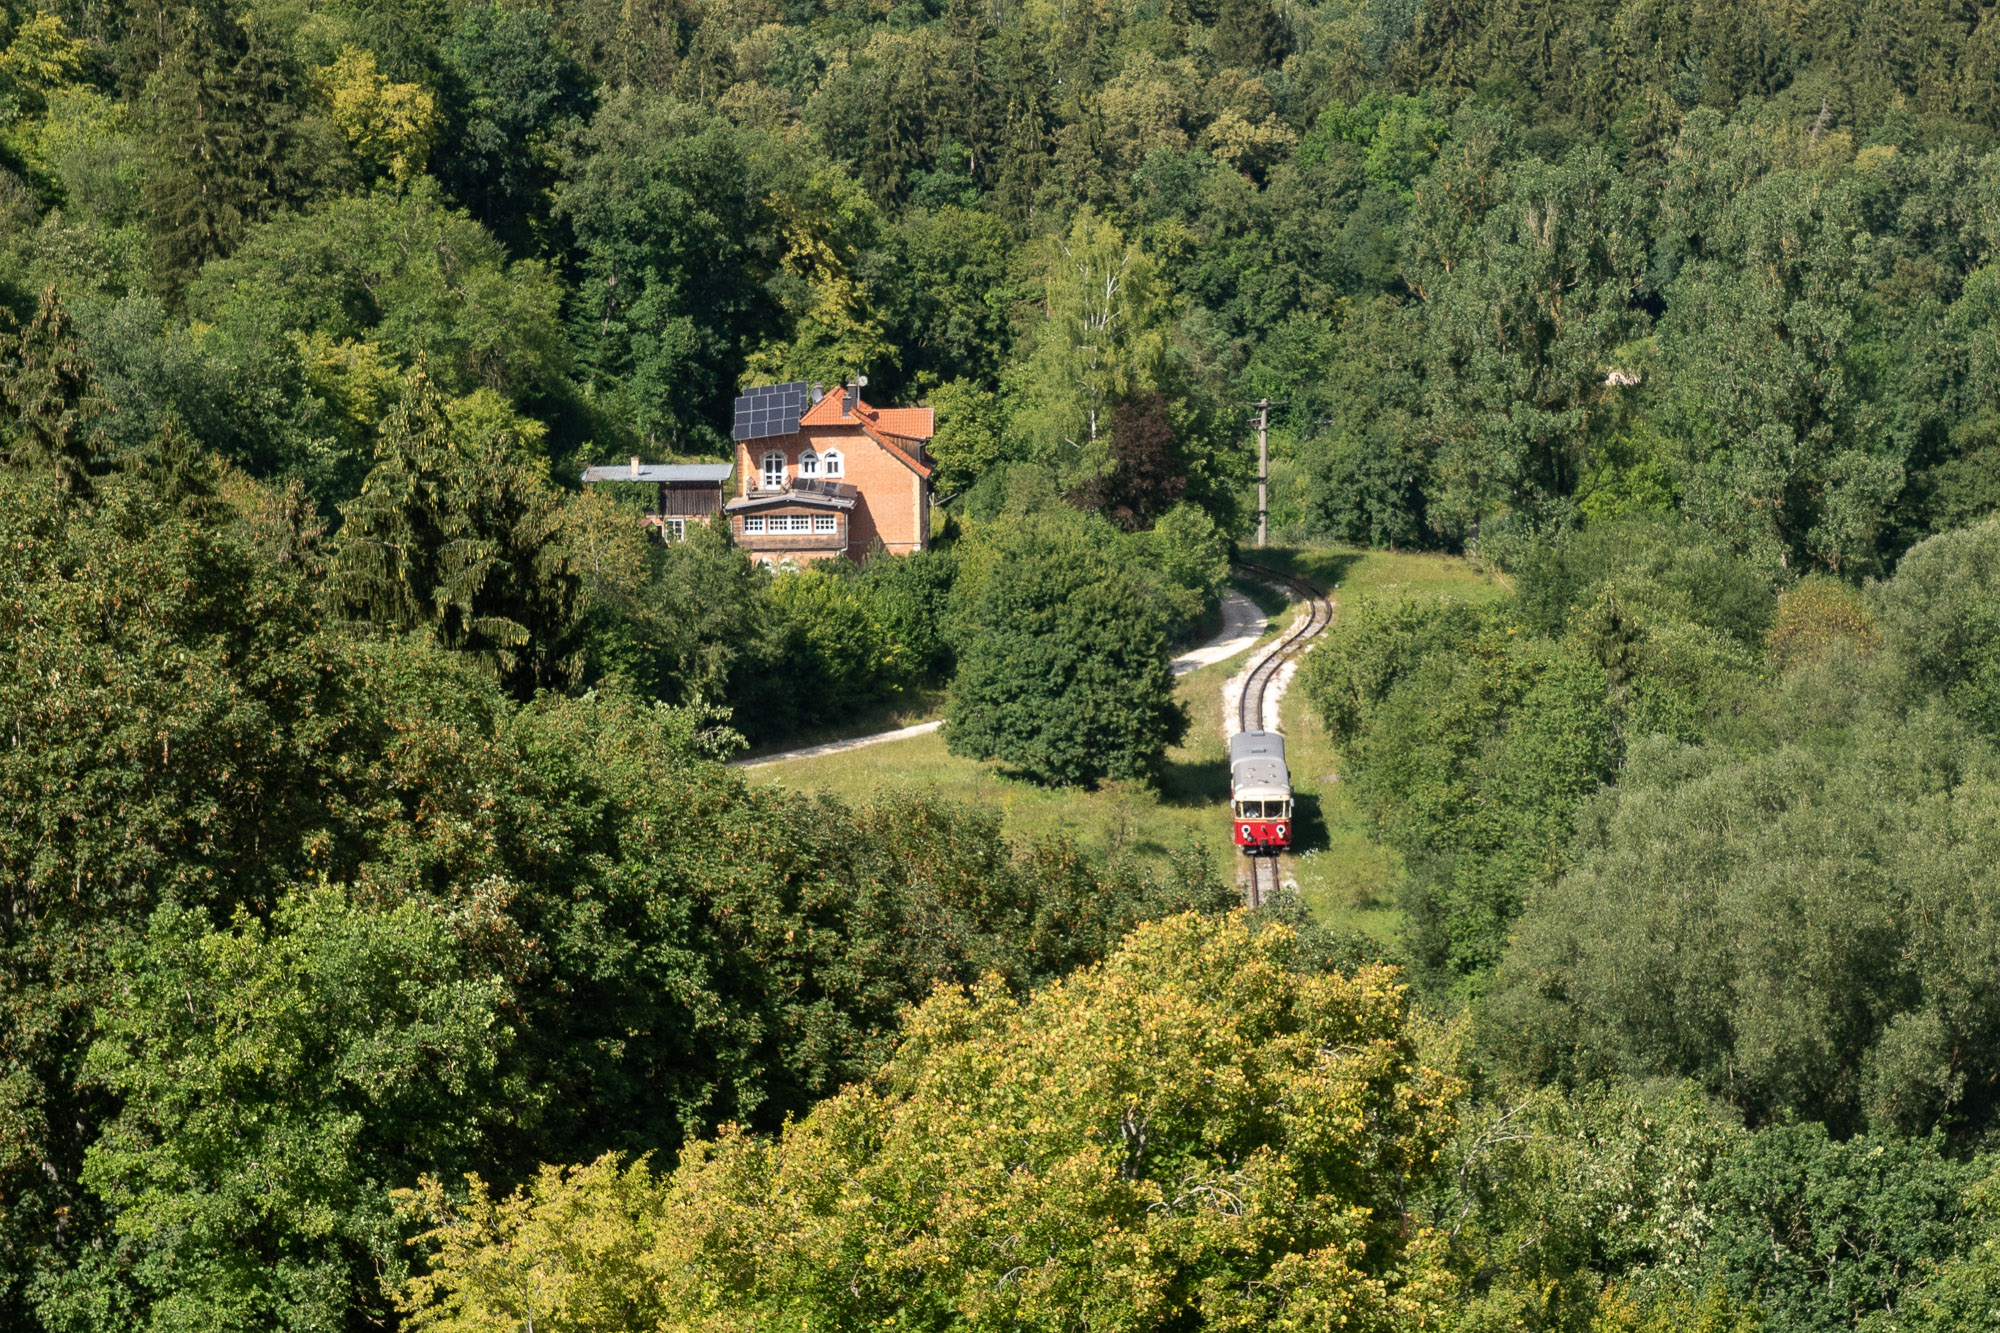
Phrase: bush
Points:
(1818, 616)
(911, 595)
(821, 653)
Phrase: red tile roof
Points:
(910, 453)
(911, 423)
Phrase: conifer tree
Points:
(49, 398)
(1247, 35)
(220, 127)
(464, 541)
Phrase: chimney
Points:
(851, 399)
(635, 465)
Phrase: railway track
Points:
(1318, 614)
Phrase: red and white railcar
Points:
(1260, 792)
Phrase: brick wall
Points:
(890, 505)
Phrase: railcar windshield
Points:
(1263, 809)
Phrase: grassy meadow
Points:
(1346, 878)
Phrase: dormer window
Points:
(809, 464)
(831, 464)
(774, 471)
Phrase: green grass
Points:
(1346, 877)
(1120, 818)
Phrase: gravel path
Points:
(1242, 625)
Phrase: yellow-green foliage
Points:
(1628, 1308)
(41, 58)
(1193, 1132)
(1816, 618)
(389, 124)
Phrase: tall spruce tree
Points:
(49, 398)
(220, 125)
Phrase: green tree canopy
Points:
(1063, 669)
(1193, 1130)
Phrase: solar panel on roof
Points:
(770, 409)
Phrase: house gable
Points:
(882, 464)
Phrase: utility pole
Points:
(1263, 470)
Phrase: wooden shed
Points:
(686, 492)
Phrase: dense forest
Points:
(383, 944)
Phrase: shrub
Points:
(1817, 617)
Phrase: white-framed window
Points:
(677, 529)
(752, 525)
(798, 522)
(825, 523)
(832, 464)
(808, 464)
(774, 471)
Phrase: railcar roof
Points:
(1256, 745)
(1259, 773)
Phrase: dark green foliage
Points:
(821, 652)
(1820, 1234)
(49, 401)
(1802, 930)
(162, 694)
(358, 811)
(1247, 35)
(912, 600)
(680, 629)
(328, 913)
(224, 135)
(1062, 666)
(1468, 746)
(1553, 1202)
(1667, 570)
(402, 272)
(463, 541)
(516, 91)
(667, 212)
(269, 1078)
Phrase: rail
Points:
(1264, 876)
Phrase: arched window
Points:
(831, 463)
(808, 464)
(774, 471)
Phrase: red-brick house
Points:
(820, 475)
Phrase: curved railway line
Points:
(1318, 614)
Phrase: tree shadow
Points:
(1324, 568)
(1309, 831)
(1186, 783)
